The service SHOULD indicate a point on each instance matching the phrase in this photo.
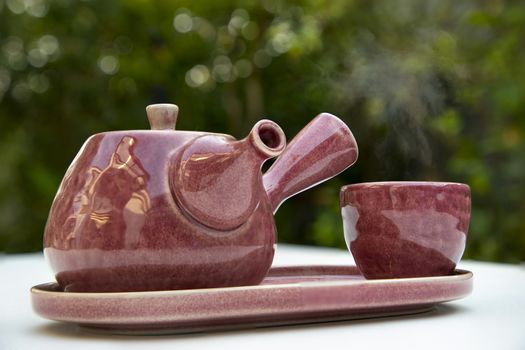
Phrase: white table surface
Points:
(492, 317)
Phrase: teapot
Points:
(161, 209)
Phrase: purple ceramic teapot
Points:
(163, 209)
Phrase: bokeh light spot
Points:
(183, 23)
(281, 42)
(108, 64)
(36, 8)
(16, 6)
(197, 76)
(37, 58)
(48, 44)
(38, 83)
(237, 21)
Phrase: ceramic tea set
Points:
(155, 231)
(141, 211)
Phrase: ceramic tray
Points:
(289, 295)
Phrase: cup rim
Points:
(404, 184)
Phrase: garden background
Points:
(433, 90)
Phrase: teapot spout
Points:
(322, 149)
(217, 180)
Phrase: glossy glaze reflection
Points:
(406, 229)
(114, 224)
(163, 209)
(218, 180)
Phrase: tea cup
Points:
(405, 229)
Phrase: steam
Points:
(401, 90)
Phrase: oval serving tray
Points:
(288, 295)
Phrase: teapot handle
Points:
(321, 150)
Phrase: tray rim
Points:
(401, 298)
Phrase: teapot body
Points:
(162, 209)
(115, 223)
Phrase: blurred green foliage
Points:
(433, 90)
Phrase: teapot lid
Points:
(162, 116)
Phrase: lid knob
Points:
(162, 116)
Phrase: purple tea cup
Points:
(405, 229)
